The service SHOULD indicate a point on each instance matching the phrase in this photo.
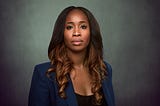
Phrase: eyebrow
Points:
(73, 22)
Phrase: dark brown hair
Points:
(94, 55)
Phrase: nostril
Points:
(76, 34)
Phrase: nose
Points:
(76, 32)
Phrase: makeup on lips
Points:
(77, 42)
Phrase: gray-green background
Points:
(130, 30)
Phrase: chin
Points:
(77, 50)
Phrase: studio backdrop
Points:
(130, 31)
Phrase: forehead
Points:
(76, 14)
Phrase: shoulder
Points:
(41, 86)
(42, 68)
(108, 65)
(109, 69)
(45, 65)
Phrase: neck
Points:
(77, 58)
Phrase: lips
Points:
(76, 42)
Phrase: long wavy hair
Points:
(62, 65)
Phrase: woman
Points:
(76, 74)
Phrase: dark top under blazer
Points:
(44, 90)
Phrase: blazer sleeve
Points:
(39, 90)
(109, 69)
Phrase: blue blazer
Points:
(44, 90)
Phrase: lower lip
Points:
(76, 43)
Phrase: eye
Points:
(69, 27)
(83, 26)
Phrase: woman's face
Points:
(77, 31)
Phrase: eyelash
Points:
(69, 27)
(83, 26)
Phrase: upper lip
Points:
(77, 40)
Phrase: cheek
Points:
(66, 36)
(88, 40)
(87, 37)
(66, 39)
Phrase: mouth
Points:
(76, 42)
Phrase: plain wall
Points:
(130, 30)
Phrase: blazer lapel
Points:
(71, 97)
